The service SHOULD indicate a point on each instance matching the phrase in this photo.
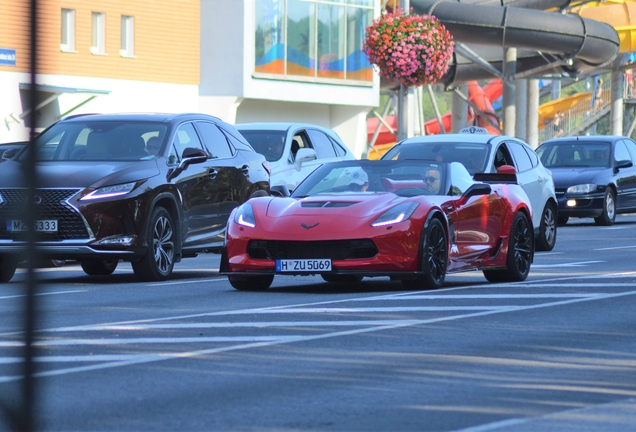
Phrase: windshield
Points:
(575, 154)
(100, 141)
(269, 143)
(404, 178)
(472, 155)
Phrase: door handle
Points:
(213, 173)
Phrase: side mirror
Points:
(506, 169)
(617, 165)
(280, 190)
(477, 189)
(304, 155)
(9, 154)
(193, 155)
(189, 156)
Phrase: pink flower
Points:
(412, 49)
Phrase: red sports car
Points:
(411, 220)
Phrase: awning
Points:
(57, 92)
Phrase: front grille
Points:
(53, 205)
(332, 249)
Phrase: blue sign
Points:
(7, 57)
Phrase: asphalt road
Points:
(554, 353)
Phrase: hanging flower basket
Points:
(411, 49)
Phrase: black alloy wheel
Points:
(158, 262)
(608, 216)
(99, 267)
(434, 259)
(547, 228)
(520, 253)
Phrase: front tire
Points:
(99, 267)
(251, 283)
(548, 228)
(434, 259)
(158, 262)
(520, 253)
(8, 265)
(608, 217)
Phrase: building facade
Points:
(96, 56)
(241, 60)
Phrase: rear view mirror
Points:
(304, 155)
(506, 169)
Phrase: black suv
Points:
(150, 189)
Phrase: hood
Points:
(566, 177)
(321, 215)
(79, 174)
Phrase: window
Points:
(313, 39)
(127, 36)
(68, 30)
(521, 157)
(185, 137)
(322, 144)
(214, 140)
(98, 36)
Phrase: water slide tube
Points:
(541, 37)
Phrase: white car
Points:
(294, 150)
(481, 152)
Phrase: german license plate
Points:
(39, 225)
(303, 265)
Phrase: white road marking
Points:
(260, 324)
(158, 340)
(574, 264)
(43, 294)
(148, 358)
(615, 248)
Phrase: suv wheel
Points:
(158, 262)
(7, 268)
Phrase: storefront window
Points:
(317, 39)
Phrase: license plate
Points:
(303, 265)
(39, 225)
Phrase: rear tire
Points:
(341, 278)
(608, 217)
(7, 268)
(251, 283)
(520, 253)
(99, 267)
(434, 259)
(158, 262)
(548, 228)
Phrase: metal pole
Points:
(616, 91)
(532, 126)
(509, 99)
(403, 114)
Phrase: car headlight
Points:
(245, 216)
(110, 191)
(581, 188)
(397, 214)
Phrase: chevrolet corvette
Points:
(411, 220)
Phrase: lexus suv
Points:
(149, 189)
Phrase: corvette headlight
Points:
(110, 191)
(245, 216)
(581, 188)
(397, 214)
